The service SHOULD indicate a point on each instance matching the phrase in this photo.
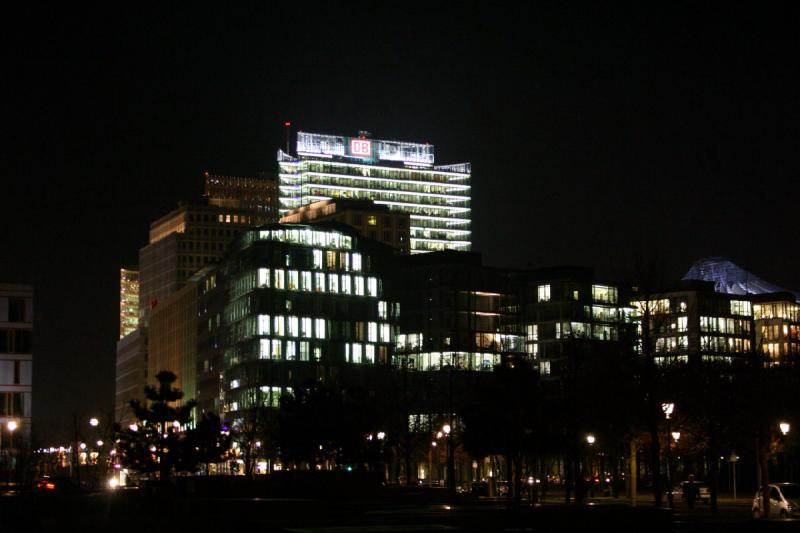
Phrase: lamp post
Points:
(12, 425)
(590, 440)
(784, 427)
(668, 408)
(451, 475)
(676, 436)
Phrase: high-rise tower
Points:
(401, 175)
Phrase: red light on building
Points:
(287, 123)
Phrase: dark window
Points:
(16, 310)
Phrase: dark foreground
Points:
(389, 510)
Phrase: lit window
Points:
(319, 282)
(372, 332)
(544, 293)
(263, 277)
(741, 307)
(263, 324)
(294, 329)
(382, 307)
(372, 287)
(346, 284)
(319, 326)
(291, 350)
(317, 353)
(369, 353)
(333, 283)
(294, 282)
(278, 326)
(344, 261)
(356, 352)
(276, 349)
(304, 351)
(305, 281)
(385, 333)
(279, 279)
(264, 349)
(330, 260)
(544, 367)
(683, 323)
(305, 327)
(372, 220)
(359, 285)
(317, 258)
(357, 262)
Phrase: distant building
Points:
(16, 364)
(560, 305)
(256, 194)
(172, 342)
(694, 323)
(128, 301)
(371, 220)
(453, 312)
(400, 175)
(777, 327)
(131, 373)
(182, 242)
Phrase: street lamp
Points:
(590, 440)
(668, 408)
(451, 474)
(784, 427)
(676, 436)
(94, 422)
(11, 425)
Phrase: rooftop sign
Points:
(365, 149)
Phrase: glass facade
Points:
(298, 302)
(399, 175)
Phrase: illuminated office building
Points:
(128, 301)
(291, 303)
(16, 364)
(565, 310)
(400, 175)
(454, 312)
(694, 323)
(377, 222)
(776, 319)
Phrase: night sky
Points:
(593, 133)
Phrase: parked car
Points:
(700, 490)
(784, 501)
(57, 483)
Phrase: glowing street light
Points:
(784, 428)
(677, 436)
(590, 439)
(94, 422)
(667, 408)
(446, 428)
(12, 425)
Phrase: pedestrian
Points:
(690, 491)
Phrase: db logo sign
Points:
(360, 148)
